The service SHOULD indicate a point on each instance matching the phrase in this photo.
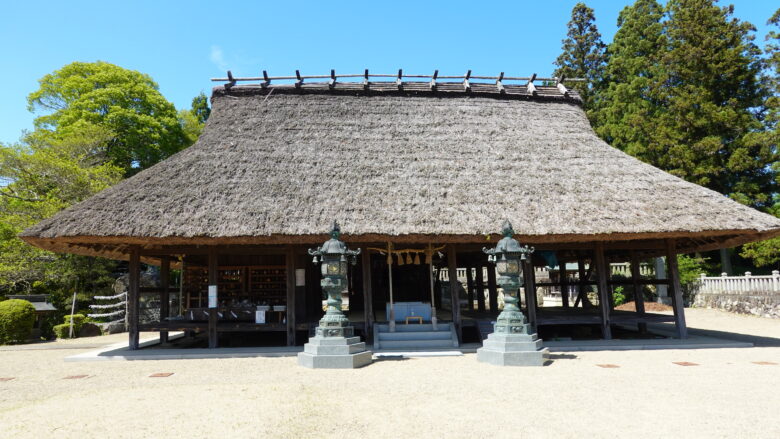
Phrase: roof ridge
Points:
(550, 88)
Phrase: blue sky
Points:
(183, 44)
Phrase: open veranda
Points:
(641, 393)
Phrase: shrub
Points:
(17, 318)
(78, 321)
(619, 296)
(62, 330)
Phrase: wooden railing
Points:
(739, 284)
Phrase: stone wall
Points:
(762, 304)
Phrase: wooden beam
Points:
(481, 288)
(368, 296)
(639, 298)
(452, 268)
(492, 289)
(676, 288)
(290, 271)
(601, 275)
(470, 288)
(530, 292)
(133, 310)
(165, 297)
(213, 297)
(564, 283)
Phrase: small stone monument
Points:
(334, 346)
(511, 343)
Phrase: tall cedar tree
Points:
(583, 53)
(626, 110)
(768, 252)
(708, 83)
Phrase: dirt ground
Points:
(726, 394)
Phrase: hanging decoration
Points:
(408, 256)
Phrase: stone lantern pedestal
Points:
(513, 349)
(334, 352)
(511, 343)
(334, 346)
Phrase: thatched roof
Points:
(279, 164)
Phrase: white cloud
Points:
(218, 58)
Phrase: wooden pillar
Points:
(165, 297)
(582, 294)
(213, 297)
(470, 287)
(368, 302)
(480, 289)
(564, 283)
(492, 289)
(530, 292)
(601, 275)
(452, 268)
(675, 287)
(133, 307)
(289, 257)
(639, 298)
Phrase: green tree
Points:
(193, 120)
(710, 132)
(626, 109)
(127, 103)
(768, 252)
(583, 53)
(39, 180)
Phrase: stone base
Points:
(512, 350)
(334, 353)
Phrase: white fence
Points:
(740, 284)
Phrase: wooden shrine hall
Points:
(420, 171)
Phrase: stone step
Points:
(423, 335)
(414, 344)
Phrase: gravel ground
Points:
(725, 395)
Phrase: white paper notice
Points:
(259, 316)
(212, 296)
(300, 277)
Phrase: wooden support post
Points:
(639, 298)
(452, 268)
(480, 289)
(470, 288)
(564, 283)
(133, 297)
(289, 257)
(213, 297)
(675, 287)
(601, 275)
(165, 297)
(581, 293)
(530, 292)
(368, 303)
(492, 289)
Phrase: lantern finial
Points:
(507, 230)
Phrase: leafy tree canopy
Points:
(126, 103)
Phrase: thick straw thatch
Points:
(280, 164)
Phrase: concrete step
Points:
(413, 327)
(414, 344)
(427, 335)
